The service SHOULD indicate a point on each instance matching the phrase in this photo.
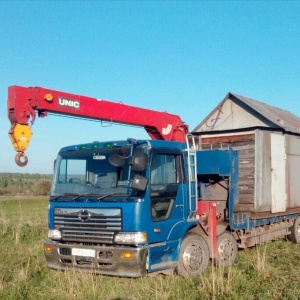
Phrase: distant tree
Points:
(11, 190)
(3, 182)
(42, 187)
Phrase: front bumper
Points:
(107, 260)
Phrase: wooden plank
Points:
(243, 207)
(246, 191)
(246, 199)
(247, 182)
(246, 174)
(228, 138)
(245, 167)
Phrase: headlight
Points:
(54, 234)
(131, 238)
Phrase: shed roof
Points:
(273, 117)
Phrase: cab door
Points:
(167, 194)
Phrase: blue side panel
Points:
(214, 162)
(244, 220)
(164, 256)
(233, 186)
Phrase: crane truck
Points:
(136, 207)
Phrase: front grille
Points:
(88, 225)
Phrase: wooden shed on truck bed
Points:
(268, 141)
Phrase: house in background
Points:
(268, 141)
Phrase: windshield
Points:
(99, 173)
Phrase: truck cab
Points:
(119, 208)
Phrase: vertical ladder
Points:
(192, 171)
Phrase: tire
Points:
(294, 236)
(193, 256)
(227, 250)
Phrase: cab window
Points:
(165, 175)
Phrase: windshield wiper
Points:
(63, 195)
(83, 195)
(74, 196)
(78, 196)
(55, 198)
(107, 195)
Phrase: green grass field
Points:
(270, 271)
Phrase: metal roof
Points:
(281, 118)
(277, 118)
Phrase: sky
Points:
(182, 57)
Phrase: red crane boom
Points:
(25, 103)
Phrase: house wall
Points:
(293, 167)
(227, 116)
(245, 144)
(269, 164)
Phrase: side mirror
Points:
(139, 162)
(139, 183)
(116, 160)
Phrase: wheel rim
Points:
(193, 257)
(226, 250)
(298, 232)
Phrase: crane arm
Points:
(25, 103)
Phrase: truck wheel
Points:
(227, 250)
(294, 236)
(193, 256)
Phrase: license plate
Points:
(83, 252)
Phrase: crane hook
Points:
(19, 162)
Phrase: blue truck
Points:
(164, 205)
(129, 208)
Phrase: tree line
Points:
(19, 183)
